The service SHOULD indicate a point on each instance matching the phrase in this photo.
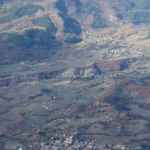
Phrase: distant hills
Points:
(36, 28)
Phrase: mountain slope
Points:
(74, 74)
